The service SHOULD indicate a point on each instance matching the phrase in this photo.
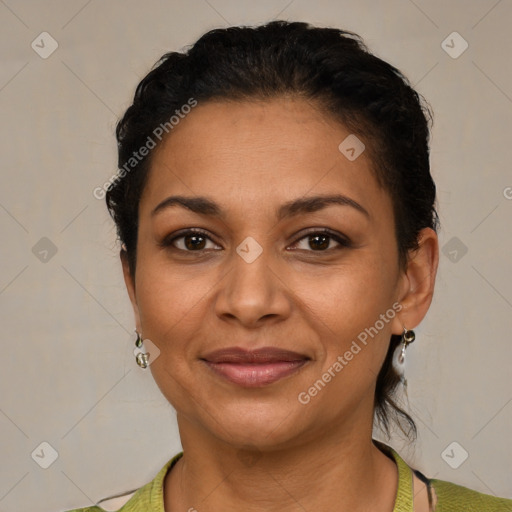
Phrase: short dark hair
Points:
(330, 67)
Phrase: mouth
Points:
(254, 368)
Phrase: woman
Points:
(276, 213)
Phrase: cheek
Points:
(171, 317)
(167, 301)
(355, 314)
(166, 293)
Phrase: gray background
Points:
(68, 375)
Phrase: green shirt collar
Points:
(152, 494)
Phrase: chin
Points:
(266, 429)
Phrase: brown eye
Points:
(192, 240)
(320, 241)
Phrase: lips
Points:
(254, 368)
(257, 356)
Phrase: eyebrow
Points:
(204, 206)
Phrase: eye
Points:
(196, 240)
(320, 240)
(191, 240)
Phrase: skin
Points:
(245, 448)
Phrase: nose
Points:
(253, 291)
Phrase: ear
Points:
(129, 281)
(417, 286)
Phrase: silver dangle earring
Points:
(141, 358)
(408, 336)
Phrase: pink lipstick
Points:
(254, 368)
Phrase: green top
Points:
(450, 497)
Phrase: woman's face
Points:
(258, 277)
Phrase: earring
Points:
(141, 358)
(408, 336)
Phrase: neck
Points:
(347, 473)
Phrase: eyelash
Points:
(343, 241)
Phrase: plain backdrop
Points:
(68, 375)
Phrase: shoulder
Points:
(451, 497)
(129, 502)
(115, 504)
(454, 498)
(148, 498)
(86, 509)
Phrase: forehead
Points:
(259, 153)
